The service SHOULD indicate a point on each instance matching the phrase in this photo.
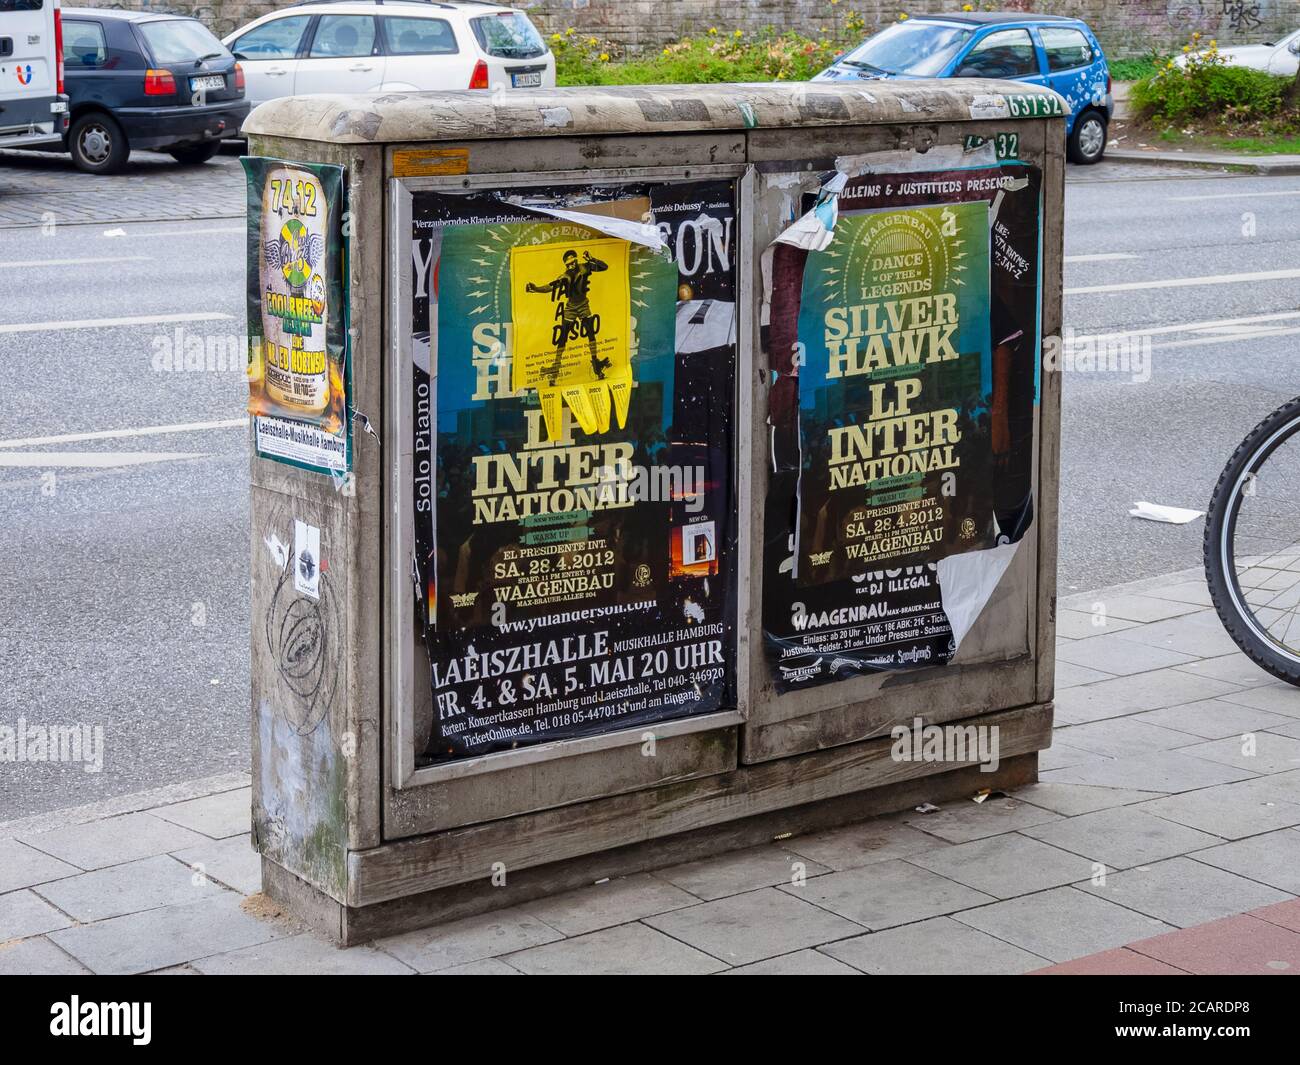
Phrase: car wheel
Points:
(97, 144)
(1088, 138)
(193, 154)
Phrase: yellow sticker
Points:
(430, 162)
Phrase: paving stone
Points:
(486, 967)
(113, 841)
(1213, 719)
(1145, 609)
(1277, 698)
(965, 821)
(22, 866)
(1273, 859)
(1122, 737)
(302, 955)
(37, 957)
(1061, 755)
(603, 905)
(1201, 635)
(488, 935)
(1068, 675)
(23, 914)
(1230, 811)
(1280, 787)
(1121, 838)
(889, 893)
(1240, 945)
(128, 888)
(878, 840)
(1286, 914)
(1121, 962)
(1114, 654)
(1061, 924)
(759, 924)
(1271, 754)
(1131, 695)
(1291, 728)
(1235, 668)
(626, 949)
(1070, 800)
(1005, 866)
(739, 871)
(1194, 592)
(1082, 625)
(1183, 892)
(231, 861)
(228, 813)
(799, 963)
(1165, 771)
(937, 946)
(171, 935)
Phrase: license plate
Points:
(530, 80)
(207, 83)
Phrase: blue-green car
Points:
(1060, 53)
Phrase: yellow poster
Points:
(570, 302)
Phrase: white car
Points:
(399, 46)
(1282, 58)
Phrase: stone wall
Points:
(1126, 27)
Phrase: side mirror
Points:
(1294, 47)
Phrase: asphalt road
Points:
(125, 599)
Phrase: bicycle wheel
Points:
(1252, 544)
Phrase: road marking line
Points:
(1100, 257)
(106, 323)
(75, 262)
(1185, 327)
(112, 434)
(1188, 282)
(1229, 338)
(1233, 195)
(91, 459)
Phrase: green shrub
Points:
(1135, 69)
(1205, 87)
(715, 56)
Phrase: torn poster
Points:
(902, 419)
(573, 477)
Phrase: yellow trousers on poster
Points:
(570, 304)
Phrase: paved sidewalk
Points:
(1170, 801)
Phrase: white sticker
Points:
(698, 543)
(306, 559)
(993, 105)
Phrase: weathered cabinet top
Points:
(642, 109)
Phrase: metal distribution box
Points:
(641, 473)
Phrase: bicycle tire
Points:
(1219, 548)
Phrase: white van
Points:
(33, 107)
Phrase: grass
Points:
(1136, 69)
(1258, 145)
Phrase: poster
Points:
(573, 477)
(902, 416)
(298, 373)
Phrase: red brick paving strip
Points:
(1264, 942)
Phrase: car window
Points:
(912, 47)
(418, 36)
(178, 40)
(508, 35)
(1065, 48)
(21, 5)
(343, 37)
(273, 40)
(84, 46)
(1003, 54)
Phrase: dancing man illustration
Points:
(569, 291)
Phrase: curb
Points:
(166, 795)
(1281, 165)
